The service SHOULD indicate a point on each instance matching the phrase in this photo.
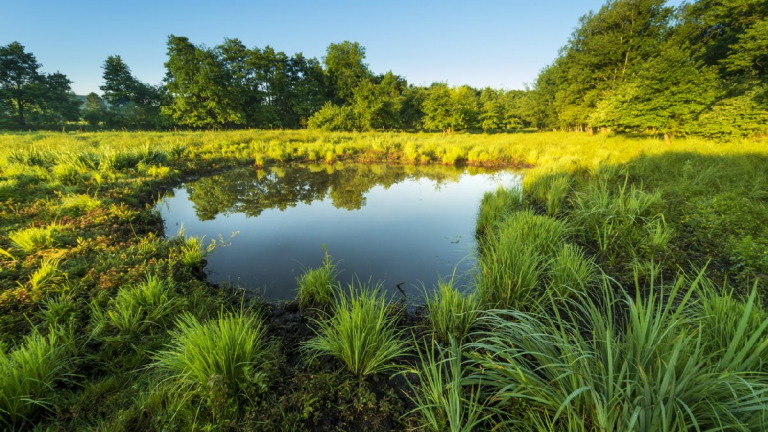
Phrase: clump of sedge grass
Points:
(31, 240)
(548, 190)
(223, 360)
(47, 275)
(543, 233)
(451, 313)
(513, 260)
(317, 287)
(361, 333)
(570, 269)
(558, 190)
(136, 310)
(192, 250)
(28, 375)
(644, 365)
(495, 206)
(731, 327)
(441, 399)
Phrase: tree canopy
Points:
(639, 66)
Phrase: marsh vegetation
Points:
(619, 287)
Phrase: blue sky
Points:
(481, 43)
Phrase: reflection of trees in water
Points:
(251, 191)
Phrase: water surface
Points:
(390, 223)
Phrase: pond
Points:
(397, 224)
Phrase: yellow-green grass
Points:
(98, 190)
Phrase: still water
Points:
(390, 223)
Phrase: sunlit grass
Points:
(33, 239)
(360, 333)
(318, 287)
(223, 360)
(495, 206)
(451, 313)
(512, 261)
(47, 274)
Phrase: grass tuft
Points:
(495, 206)
(31, 240)
(441, 399)
(224, 360)
(452, 314)
(361, 333)
(317, 287)
(29, 374)
(570, 269)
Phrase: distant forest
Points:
(637, 66)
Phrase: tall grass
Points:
(136, 310)
(641, 366)
(495, 206)
(47, 275)
(29, 375)
(361, 333)
(570, 269)
(735, 329)
(452, 314)
(317, 287)
(443, 401)
(512, 261)
(224, 360)
(549, 190)
(33, 239)
(192, 250)
(620, 220)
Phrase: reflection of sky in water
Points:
(411, 232)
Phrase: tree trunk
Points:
(666, 138)
(20, 104)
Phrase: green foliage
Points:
(452, 314)
(136, 311)
(224, 359)
(441, 399)
(495, 206)
(667, 95)
(94, 109)
(377, 105)
(197, 79)
(31, 240)
(449, 109)
(29, 375)
(513, 260)
(318, 286)
(653, 375)
(361, 333)
(33, 98)
(571, 270)
(333, 118)
(345, 68)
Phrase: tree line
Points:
(638, 66)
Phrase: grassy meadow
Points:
(622, 289)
